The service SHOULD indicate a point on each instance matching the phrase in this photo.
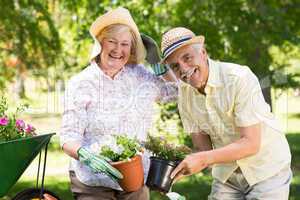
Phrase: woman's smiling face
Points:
(116, 50)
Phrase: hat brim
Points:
(197, 39)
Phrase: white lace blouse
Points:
(96, 105)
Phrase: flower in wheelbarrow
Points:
(12, 127)
(20, 124)
(4, 121)
(29, 129)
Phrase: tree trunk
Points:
(20, 84)
(267, 95)
(263, 76)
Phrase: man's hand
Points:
(98, 164)
(192, 164)
(153, 55)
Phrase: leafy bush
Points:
(164, 150)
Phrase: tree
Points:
(240, 31)
(28, 38)
(243, 31)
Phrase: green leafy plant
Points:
(167, 151)
(11, 127)
(119, 148)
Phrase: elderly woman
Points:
(113, 95)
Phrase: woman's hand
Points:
(98, 164)
(153, 55)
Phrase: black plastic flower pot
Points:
(159, 174)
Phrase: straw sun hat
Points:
(116, 16)
(176, 38)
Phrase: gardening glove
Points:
(175, 196)
(98, 164)
(153, 55)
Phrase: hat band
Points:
(174, 45)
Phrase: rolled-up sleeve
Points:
(74, 120)
(250, 106)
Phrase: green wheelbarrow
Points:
(15, 157)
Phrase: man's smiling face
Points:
(189, 63)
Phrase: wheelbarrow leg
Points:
(38, 172)
(43, 195)
(44, 170)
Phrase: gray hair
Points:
(198, 46)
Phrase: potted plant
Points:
(166, 157)
(123, 153)
(11, 127)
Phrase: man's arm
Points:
(246, 146)
(201, 141)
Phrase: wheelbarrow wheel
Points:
(34, 194)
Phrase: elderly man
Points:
(221, 105)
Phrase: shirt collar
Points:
(99, 71)
(96, 68)
(214, 76)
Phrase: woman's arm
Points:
(169, 76)
(71, 149)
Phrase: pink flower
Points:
(20, 124)
(3, 121)
(29, 129)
